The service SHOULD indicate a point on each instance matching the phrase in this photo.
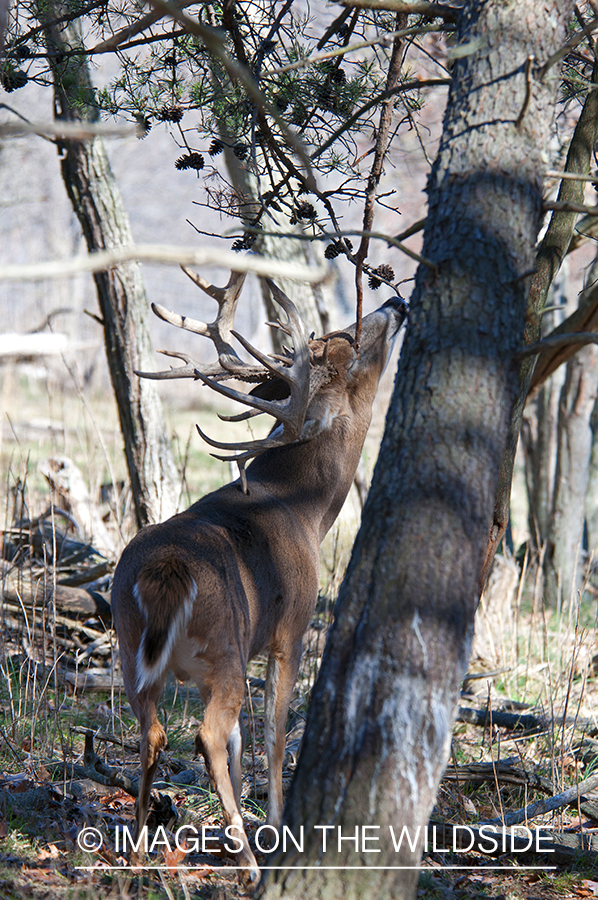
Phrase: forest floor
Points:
(527, 727)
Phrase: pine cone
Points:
(12, 81)
(241, 150)
(305, 210)
(384, 271)
(144, 126)
(170, 114)
(190, 161)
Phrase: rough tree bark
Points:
(379, 725)
(96, 200)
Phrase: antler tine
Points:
(184, 322)
(230, 292)
(241, 417)
(249, 447)
(278, 409)
(278, 325)
(213, 370)
(218, 331)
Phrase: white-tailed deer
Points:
(237, 574)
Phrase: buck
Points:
(237, 573)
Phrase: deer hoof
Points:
(250, 875)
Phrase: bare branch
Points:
(566, 206)
(76, 131)
(556, 341)
(432, 10)
(571, 176)
(583, 321)
(159, 253)
(547, 805)
(392, 78)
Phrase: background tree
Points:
(96, 201)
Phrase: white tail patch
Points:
(149, 674)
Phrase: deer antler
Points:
(300, 371)
(219, 332)
(289, 411)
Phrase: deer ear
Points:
(341, 354)
(317, 349)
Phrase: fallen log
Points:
(552, 847)
(485, 717)
(39, 593)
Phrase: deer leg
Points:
(235, 747)
(153, 740)
(219, 734)
(281, 675)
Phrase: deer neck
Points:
(313, 477)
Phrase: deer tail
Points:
(165, 593)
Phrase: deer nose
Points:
(397, 303)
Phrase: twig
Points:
(60, 20)
(528, 89)
(384, 40)
(392, 78)
(375, 101)
(413, 229)
(97, 770)
(342, 233)
(130, 31)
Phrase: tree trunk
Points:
(96, 200)
(539, 430)
(591, 500)
(564, 562)
(592, 491)
(379, 726)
